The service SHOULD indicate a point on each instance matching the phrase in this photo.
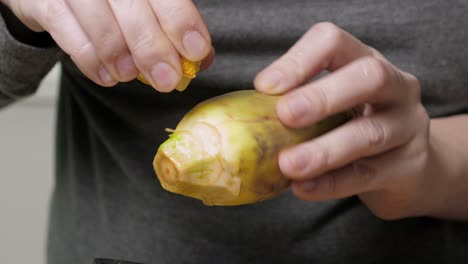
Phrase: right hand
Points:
(112, 41)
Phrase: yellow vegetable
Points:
(189, 72)
(225, 150)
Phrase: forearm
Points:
(449, 168)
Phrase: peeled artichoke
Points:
(225, 150)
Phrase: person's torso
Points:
(108, 202)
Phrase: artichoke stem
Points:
(169, 171)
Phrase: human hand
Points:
(383, 155)
(112, 41)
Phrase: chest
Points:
(425, 37)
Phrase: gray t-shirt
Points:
(107, 201)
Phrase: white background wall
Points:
(26, 172)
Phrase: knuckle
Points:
(414, 86)
(110, 46)
(55, 12)
(292, 63)
(332, 37)
(421, 156)
(174, 22)
(376, 70)
(334, 34)
(365, 173)
(422, 114)
(375, 53)
(146, 50)
(321, 157)
(373, 132)
(412, 80)
(143, 43)
(398, 77)
(327, 28)
(82, 51)
(423, 127)
(322, 101)
(108, 39)
(172, 9)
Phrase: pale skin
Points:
(396, 159)
(393, 156)
(112, 41)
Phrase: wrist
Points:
(438, 171)
(444, 177)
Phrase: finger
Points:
(184, 26)
(388, 171)
(357, 178)
(151, 50)
(98, 22)
(65, 29)
(366, 80)
(206, 62)
(359, 138)
(324, 46)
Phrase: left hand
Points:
(383, 155)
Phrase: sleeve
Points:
(22, 66)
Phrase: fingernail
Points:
(105, 76)
(293, 163)
(165, 77)
(126, 67)
(269, 80)
(195, 45)
(308, 186)
(293, 107)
